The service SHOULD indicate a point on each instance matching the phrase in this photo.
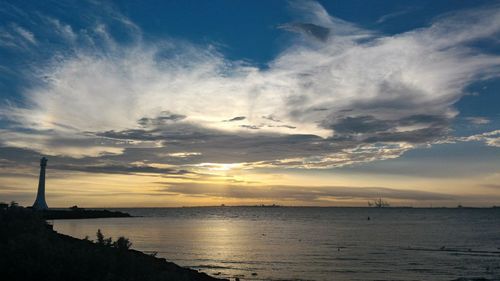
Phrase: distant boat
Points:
(269, 206)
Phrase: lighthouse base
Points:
(40, 205)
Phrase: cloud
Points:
(352, 96)
(16, 37)
(314, 19)
(216, 146)
(283, 126)
(63, 29)
(25, 34)
(489, 138)
(493, 186)
(54, 142)
(301, 193)
(391, 16)
(162, 118)
(122, 169)
(238, 118)
(478, 120)
(315, 31)
(251, 127)
(271, 118)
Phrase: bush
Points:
(122, 243)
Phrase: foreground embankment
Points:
(31, 250)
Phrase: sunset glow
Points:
(310, 105)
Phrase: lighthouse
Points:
(40, 203)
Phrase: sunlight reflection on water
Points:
(313, 243)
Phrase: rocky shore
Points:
(31, 250)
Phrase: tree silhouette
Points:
(101, 240)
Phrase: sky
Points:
(202, 103)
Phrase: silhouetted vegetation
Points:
(101, 240)
(122, 242)
(31, 250)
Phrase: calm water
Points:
(313, 243)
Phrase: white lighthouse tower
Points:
(40, 203)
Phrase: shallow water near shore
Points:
(285, 243)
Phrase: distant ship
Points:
(269, 206)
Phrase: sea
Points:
(313, 243)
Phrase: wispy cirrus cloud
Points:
(25, 34)
(390, 16)
(478, 120)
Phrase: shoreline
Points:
(290, 206)
(32, 250)
(61, 214)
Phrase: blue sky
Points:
(376, 97)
